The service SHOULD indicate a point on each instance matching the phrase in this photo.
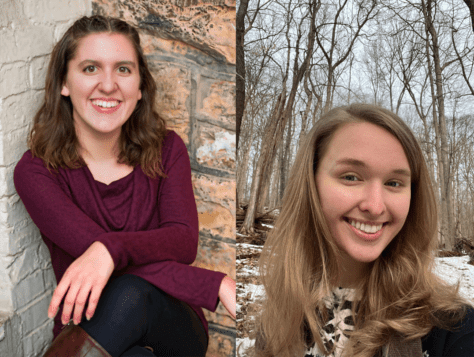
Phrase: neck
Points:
(94, 148)
(351, 272)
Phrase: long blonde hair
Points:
(298, 266)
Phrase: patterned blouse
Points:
(340, 320)
(438, 342)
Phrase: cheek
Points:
(131, 87)
(401, 206)
(81, 89)
(334, 199)
(333, 193)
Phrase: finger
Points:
(80, 303)
(93, 301)
(58, 295)
(69, 302)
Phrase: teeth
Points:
(367, 228)
(105, 104)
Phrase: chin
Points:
(367, 257)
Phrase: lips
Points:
(111, 103)
(366, 227)
(113, 106)
(366, 231)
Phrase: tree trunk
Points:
(274, 198)
(443, 160)
(240, 67)
(265, 151)
(243, 164)
(285, 159)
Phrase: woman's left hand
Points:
(88, 274)
(227, 295)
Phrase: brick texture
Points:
(28, 30)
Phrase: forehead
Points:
(368, 143)
(105, 46)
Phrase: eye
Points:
(124, 70)
(394, 184)
(90, 69)
(350, 177)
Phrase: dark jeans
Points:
(133, 313)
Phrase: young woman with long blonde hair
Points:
(348, 268)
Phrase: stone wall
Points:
(28, 30)
(190, 46)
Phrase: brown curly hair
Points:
(53, 136)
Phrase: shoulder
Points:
(456, 342)
(173, 148)
(29, 164)
(31, 175)
(28, 159)
(31, 172)
(173, 141)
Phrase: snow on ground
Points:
(243, 344)
(243, 247)
(250, 292)
(456, 269)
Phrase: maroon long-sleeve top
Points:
(149, 226)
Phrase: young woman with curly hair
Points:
(348, 268)
(109, 188)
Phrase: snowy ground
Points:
(456, 269)
(249, 292)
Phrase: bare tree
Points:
(440, 122)
(465, 55)
(242, 13)
(414, 57)
(284, 104)
(344, 30)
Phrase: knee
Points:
(128, 294)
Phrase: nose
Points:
(108, 82)
(373, 201)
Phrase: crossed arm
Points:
(89, 274)
(96, 252)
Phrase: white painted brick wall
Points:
(28, 31)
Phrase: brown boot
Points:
(73, 341)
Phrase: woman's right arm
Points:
(67, 226)
(51, 209)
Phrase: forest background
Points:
(298, 59)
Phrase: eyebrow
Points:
(121, 63)
(358, 163)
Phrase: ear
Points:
(65, 90)
(139, 94)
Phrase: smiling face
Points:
(364, 185)
(103, 82)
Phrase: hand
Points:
(227, 295)
(87, 274)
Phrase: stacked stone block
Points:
(190, 48)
